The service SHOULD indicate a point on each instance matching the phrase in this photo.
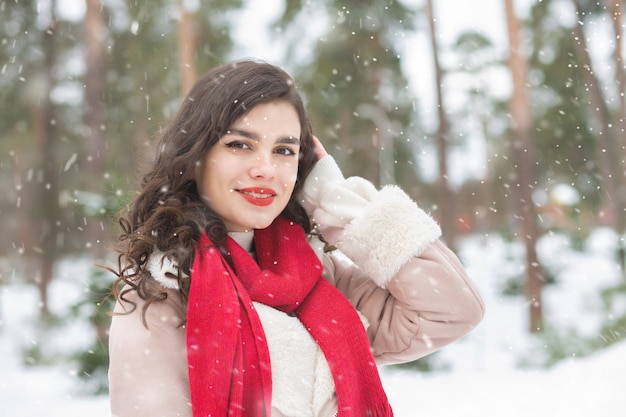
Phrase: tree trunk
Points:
(94, 117)
(186, 49)
(445, 199)
(48, 192)
(615, 10)
(600, 120)
(25, 196)
(523, 156)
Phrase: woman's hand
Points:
(320, 152)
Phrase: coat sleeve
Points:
(410, 287)
(428, 304)
(148, 365)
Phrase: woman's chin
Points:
(253, 225)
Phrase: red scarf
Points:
(228, 358)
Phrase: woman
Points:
(258, 281)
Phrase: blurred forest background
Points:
(85, 94)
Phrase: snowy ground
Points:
(483, 377)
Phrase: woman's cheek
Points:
(290, 175)
(290, 181)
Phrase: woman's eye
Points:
(237, 145)
(285, 151)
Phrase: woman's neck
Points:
(244, 239)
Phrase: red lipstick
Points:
(258, 196)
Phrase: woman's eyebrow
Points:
(251, 135)
(290, 140)
(243, 133)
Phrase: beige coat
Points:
(410, 289)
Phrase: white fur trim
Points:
(163, 269)
(391, 231)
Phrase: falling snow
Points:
(482, 376)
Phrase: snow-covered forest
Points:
(504, 119)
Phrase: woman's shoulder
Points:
(130, 308)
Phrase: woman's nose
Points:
(263, 167)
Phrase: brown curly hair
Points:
(168, 213)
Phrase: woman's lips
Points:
(258, 196)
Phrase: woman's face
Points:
(248, 176)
